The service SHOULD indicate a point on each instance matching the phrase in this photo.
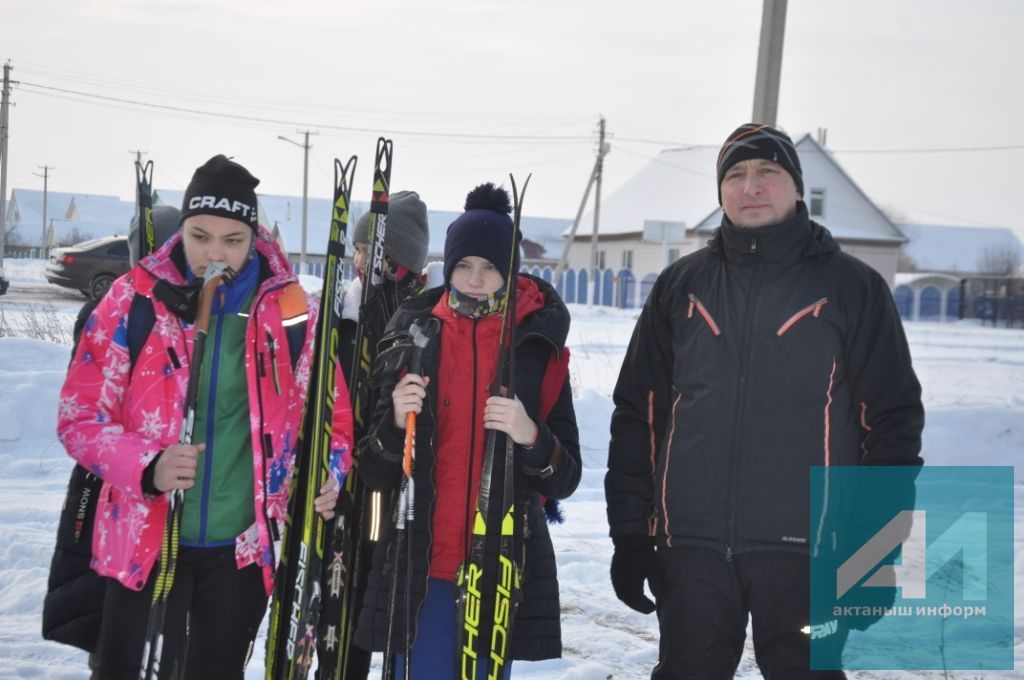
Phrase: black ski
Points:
(144, 207)
(477, 574)
(374, 281)
(359, 511)
(295, 608)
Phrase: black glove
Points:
(634, 562)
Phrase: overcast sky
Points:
(473, 89)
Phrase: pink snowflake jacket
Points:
(114, 423)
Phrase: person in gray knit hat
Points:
(406, 236)
(405, 253)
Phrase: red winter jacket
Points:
(446, 475)
(469, 356)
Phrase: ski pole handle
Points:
(415, 366)
(212, 277)
(410, 442)
(421, 332)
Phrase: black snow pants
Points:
(703, 604)
(222, 604)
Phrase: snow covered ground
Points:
(973, 379)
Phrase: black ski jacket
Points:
(536, 630)
(755, 358)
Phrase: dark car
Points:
(3, 284)
(90, 266)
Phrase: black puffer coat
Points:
(756, 358)
(73, 605)
(536, 632)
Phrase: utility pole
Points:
(46, 180)
(305, 189)
(5, 102)
(769, 62)
(602, 151)
(575, 225)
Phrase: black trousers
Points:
(222, 604)
(703, 602)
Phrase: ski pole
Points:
(152, 652)
(421, 332)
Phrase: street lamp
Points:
(305, 190)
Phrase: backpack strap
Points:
(141, 318)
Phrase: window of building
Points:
(600, 259)
(627, 259)
(673, 255)
(817, 206)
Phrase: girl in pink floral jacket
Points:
(121, 419)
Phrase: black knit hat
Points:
(223, 188)
(407, 235)
(759, 141)
(484, 230)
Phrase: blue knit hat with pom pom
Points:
(484, 230)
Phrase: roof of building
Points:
(680, 185)
(85, 215)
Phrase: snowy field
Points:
(973, 380)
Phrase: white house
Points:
(676, 195)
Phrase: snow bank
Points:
(973, 380)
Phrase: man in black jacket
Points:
(766, 353)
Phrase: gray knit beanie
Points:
(407, 234)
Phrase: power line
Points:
(950, 149)
(83, 78)
(344, 128)
(485, 136)
(664, 142)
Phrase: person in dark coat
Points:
(454, 410)
(766, 353)
(405, 253)
(74, 592)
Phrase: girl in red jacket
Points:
(452, 399)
